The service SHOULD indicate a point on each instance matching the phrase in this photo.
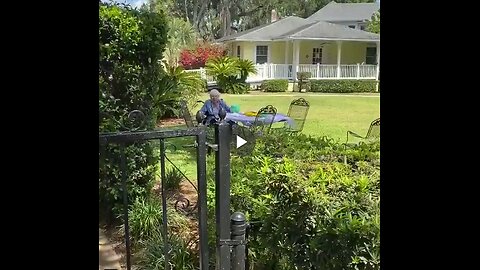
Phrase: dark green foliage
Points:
(173, 178)
(152, 256)
(231, 73)
(130, 47)
(343, 86)
(275, 85)
(303, 81)
(315, 212)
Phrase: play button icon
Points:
(240, 141)
(244, 144)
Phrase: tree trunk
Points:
(225, 18)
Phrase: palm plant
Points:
(246, 67)
(176, 84)
(181, 34)
(231, 73)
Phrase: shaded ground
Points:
(108, 258)
(170, 122)
(113, 242)
(112, 252)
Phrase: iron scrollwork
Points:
(184, 206)
(135, 121)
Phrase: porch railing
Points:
(319, 72)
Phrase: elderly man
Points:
(212, 107)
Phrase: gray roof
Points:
(269, 31)
(293, 27)
(335, 12)
(329, 31)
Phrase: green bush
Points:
(343, 86)
(152, 256)
(141, 159)
(177, 84)
(279, 85)
(303, 82)
(304, 75)
(130, 47)
(145, 218)
(173, 178)
(231, 73)
(320, 219)
(313, 211)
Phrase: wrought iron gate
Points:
(230, 229)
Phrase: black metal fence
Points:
(230, 229)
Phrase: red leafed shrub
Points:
(196, 58)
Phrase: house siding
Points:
(277, 52)
(352, 52)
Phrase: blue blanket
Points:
(249, 120)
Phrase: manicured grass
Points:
(329, 115)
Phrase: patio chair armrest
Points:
(354, 135)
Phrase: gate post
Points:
(238, 238)
(202, 196)
(223, 134)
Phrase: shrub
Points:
(343, 86)
(152, 256)
(145, 218)
(274, 85)
(231, 73)
(173, 178)
(304, 75)
(177, 84)
(141, 159)
(303, 81)
(198, 57)
(130, 46)
(309, 210)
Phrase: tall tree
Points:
(374, 25)
(217, 18)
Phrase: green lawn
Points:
(329, 115)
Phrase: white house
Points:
(331, 44)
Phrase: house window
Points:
(238, 51)
(362, 27)
(371, 56)
(317, 56)
(352, 26)
(262, 54)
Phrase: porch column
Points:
(286, 51)
(339, 58)
(285, 68)
(378, 60)
(296, 57)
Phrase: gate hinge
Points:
(230, 242)
(213, 146)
